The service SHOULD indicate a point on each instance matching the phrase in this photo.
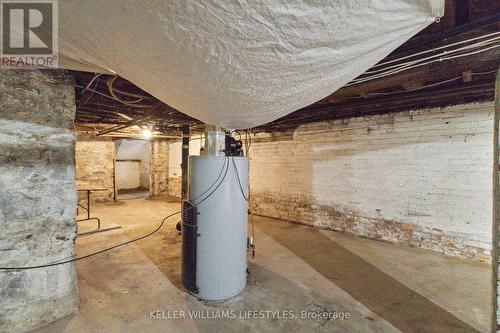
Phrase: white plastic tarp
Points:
(235, 63)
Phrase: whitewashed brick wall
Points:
(421, 178)
(94, 167)
(158, 168)
(174, 164)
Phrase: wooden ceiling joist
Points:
(113, 106)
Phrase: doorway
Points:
(132, 168)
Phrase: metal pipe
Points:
(184, 163)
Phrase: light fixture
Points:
(146, 133)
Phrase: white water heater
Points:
(214, 227)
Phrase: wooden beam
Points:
(453, 68)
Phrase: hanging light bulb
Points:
(146, 133)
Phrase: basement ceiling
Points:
(437, 67)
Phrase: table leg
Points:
(88, 204)
(88, 213)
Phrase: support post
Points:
(185, 159)
(38, 198)
(495, 244)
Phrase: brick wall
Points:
(94, 167)
(175, 186)
(158, 168)
(174, 164)
(420, 178)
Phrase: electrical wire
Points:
(114, 99)
(464, 48)
(110, 83)
(483, 73)
(445, 55)
(129, 241)
(239, 181)
(248, 144)
(416, 64)
(435, 49)
(88, 86)
(427, 85)
(90, 83)
(419, 65)
(213, 184)
(416, 89)
(400, 67)
(215, 189)
(93, 253)
(239, 134)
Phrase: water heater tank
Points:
(221, 242)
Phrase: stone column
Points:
(37, 198)
(158, 168)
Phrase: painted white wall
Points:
(175, 155)
(128, 175)
(135, 149)
(430, 168)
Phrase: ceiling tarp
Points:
(235, 63)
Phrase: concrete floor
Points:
(382, 287)
(139, 194)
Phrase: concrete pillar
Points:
(37, 198)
